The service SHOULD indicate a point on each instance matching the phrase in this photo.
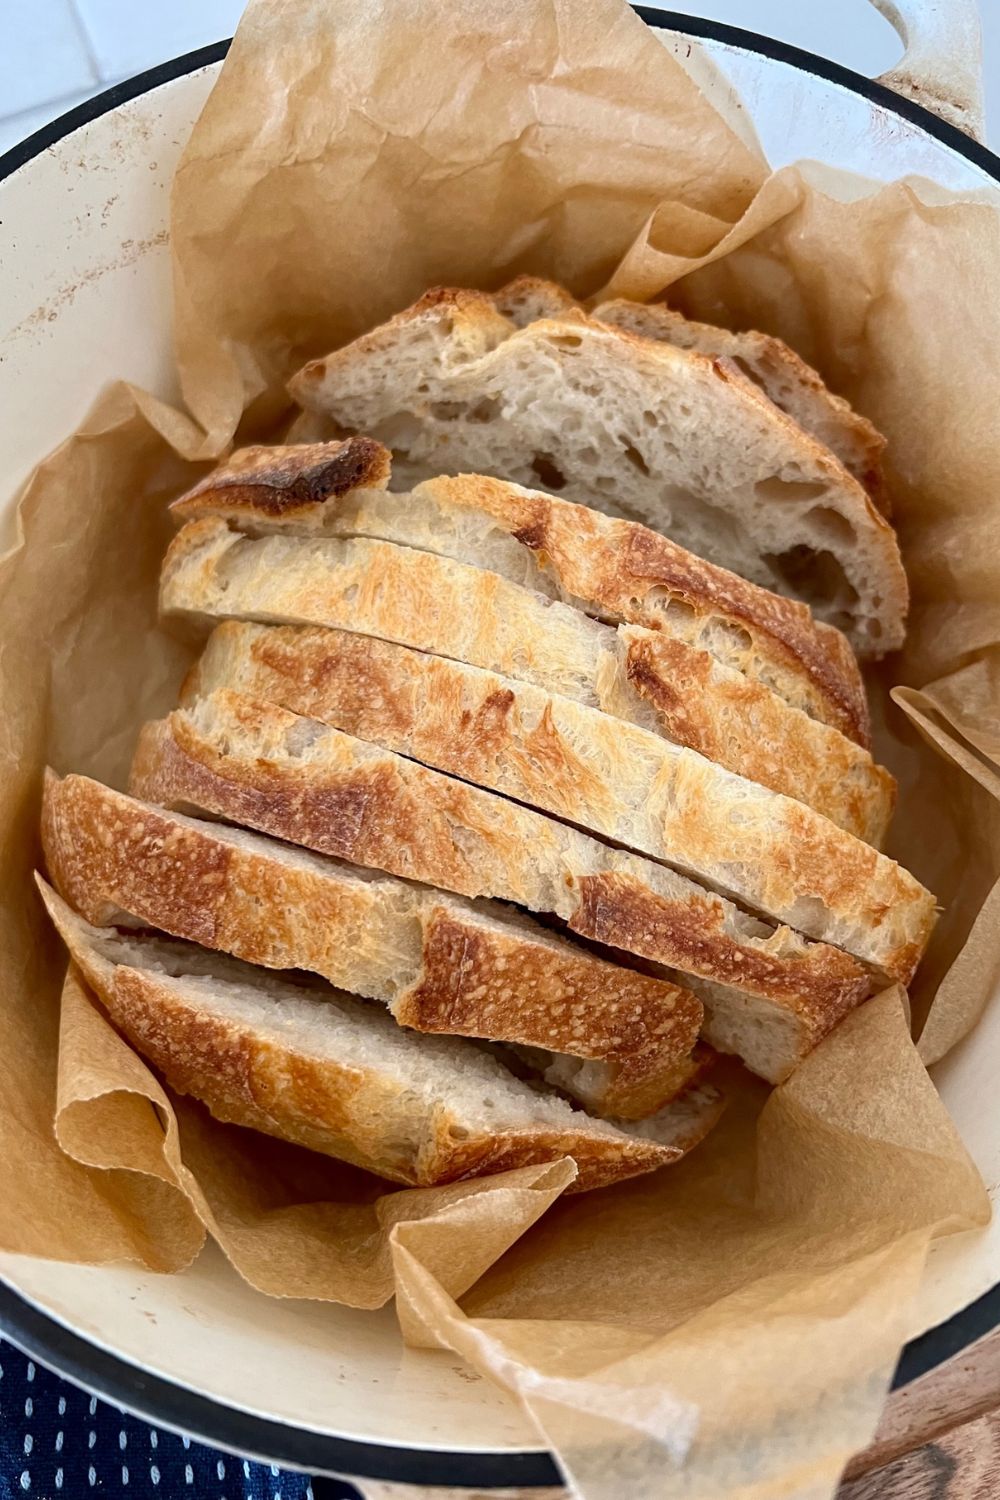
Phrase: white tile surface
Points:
(43, 54)
(127, 36)
(14, 128)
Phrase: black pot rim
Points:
(172, 1406)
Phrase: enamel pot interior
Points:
(85, 299)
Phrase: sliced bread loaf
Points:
(640, 428)
(299, 780)
(616, 570)
(435, 604)
(319, 1068)
(613, 778)
(441, 963)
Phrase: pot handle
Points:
(942, 68)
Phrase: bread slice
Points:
(793, 386)
(640, 428)
(324, 1070)
(212, 572)
(612, 569)
(442, 964)
(433, 603)
(786, 380)
(749, 730)
(299, 780)
(612, 778)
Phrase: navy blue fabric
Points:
(58, 1443)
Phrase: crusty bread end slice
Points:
(442, 964)
(640, 428)
(326, 1071)
(278, 483)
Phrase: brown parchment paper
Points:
(727, 1327)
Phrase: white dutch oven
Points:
(86, 298)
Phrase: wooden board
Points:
(939, 1439)
(954, 1395)
(963, 1464)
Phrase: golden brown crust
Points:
(375, 812)
(278, 483)
(246, 1079)
(620, 781)
(622, 568)
(814, 981)
(97, 846)
(321, 1105)
(709, 699)
(644, 1027)
(832, 774)
(174, 765)
(243, 1079)
(600, 1162)
(629, 572)
(108, 853)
